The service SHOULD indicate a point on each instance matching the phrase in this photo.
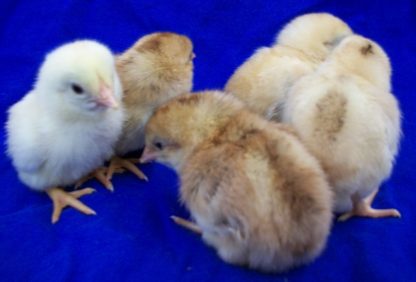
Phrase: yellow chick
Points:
(257, 195)
(158, 67)
(264, 79)
(347, 117)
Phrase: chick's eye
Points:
(77, 89)
(158, 145)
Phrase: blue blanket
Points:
(132, 237)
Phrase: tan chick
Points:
(315, 34)
(258, 197)
(155, 69)
(264, 79)
(347, 117)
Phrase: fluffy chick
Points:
(68, 124)
(347, 117)
(259, 198)
(315, 34)
(264, 79)
(155, 69)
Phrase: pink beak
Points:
(106, 97)
(148, 155)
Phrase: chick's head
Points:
(315, 34)
(365, 58)
(161, 58)
(179, 126)
(80, 75)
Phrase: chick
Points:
(263, 81)
(258, 197)
(315, 34)
(156, 68)
(68, 124)
(347, 117)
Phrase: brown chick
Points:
(263, 80)
(155, 69)
(257, 196)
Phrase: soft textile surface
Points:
(132, 237)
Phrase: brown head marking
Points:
(152, 45)
(368, 49)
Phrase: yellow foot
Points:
(118, 164)
(61, 199)
(362, 207)
(186, 224)
(100, 175)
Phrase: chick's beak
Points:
(106, 97)
(148, 155)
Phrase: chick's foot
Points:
(100, 175)
(119, 165)
(362, 207)
(186, 224)
(61, 199)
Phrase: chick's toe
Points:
(100, 175)
(61, 199)
(118, 165)
(186, 224)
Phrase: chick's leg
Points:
(61, 199)
(100, 175)
(186, 224)
(118, 164)
(362, 207)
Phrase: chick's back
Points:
(348, 120)
(263, 81)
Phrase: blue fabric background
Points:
(132, 237)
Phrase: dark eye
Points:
(77, 89)
(158, 145)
